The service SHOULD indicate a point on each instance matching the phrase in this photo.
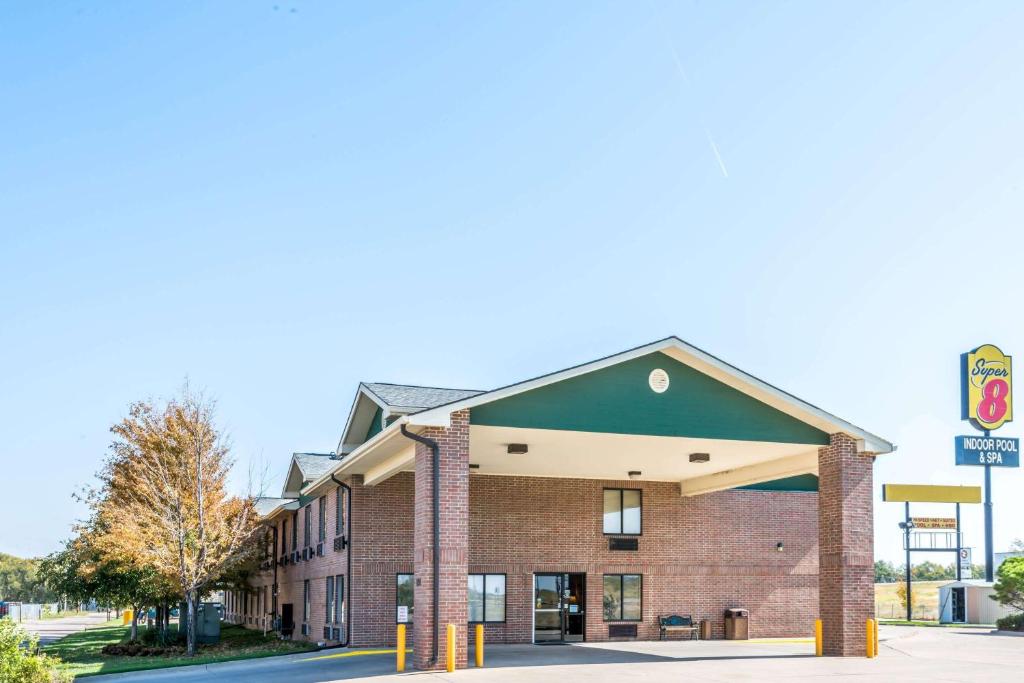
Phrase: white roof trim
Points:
(354, 457)
(866, 441)
(290, 504)
(363, 390)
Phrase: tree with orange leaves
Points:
(164, 503)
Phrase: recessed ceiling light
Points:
(518, 449)
(700, 457)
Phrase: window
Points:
(339, 599)
(284, 535)
(322, 520)
(622, 509)
(486, 597)
(307, 526)
(622, 597)
(404, 595)
(330, 600)
(338, 515)
(305, 600)
(295, 530)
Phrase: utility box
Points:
(737, 624)
(208, 617)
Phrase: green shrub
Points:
(1009, 586)
(152, 636)
(18, 661)
(1014, 622)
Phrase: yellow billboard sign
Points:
(920, 493)
(934, 522)
(986, 387)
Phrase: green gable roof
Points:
(618, 400)
(376, 424)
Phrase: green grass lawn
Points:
(81, 651)
(935, 624)
(61, 615)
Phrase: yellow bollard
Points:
(400, 649)
(870, 626)
(479, 645)
(450, 649)
(817, 638)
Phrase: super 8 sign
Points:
(986, 384)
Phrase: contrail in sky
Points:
(707, 131)
(714, 148)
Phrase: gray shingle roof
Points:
(265, 506)
(312, 465)
(405, 396)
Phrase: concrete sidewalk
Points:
(908, 654)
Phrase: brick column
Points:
(454, 486)
(846, 597)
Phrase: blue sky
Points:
(279, 200)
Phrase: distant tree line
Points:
(20, 581)
(887, 572)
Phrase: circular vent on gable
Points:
(658, 380)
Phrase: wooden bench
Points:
(676, 622)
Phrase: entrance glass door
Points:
(559, 610)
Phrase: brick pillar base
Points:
(454, 487)
(845, 540)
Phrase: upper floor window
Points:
(307, 528)
(322, 520)
(622, 511)
(295, 530)
(338, 515)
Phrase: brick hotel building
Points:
(580, 505)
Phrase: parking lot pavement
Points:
(908, 655)
(50, 630)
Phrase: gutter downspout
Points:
(437, 531)
(348, 559)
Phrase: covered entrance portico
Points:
(661, 473)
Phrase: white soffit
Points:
(592, 455)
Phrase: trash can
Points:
(737, 626)
(705, 629)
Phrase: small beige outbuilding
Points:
(969, 602)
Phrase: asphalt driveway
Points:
(50, 630)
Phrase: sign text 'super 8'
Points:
(987, 387)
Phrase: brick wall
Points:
(453, 453)
(697, 555)
(290, 577)
(847, 552)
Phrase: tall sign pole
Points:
(907, 526)
(986, 400)
(989, 550)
